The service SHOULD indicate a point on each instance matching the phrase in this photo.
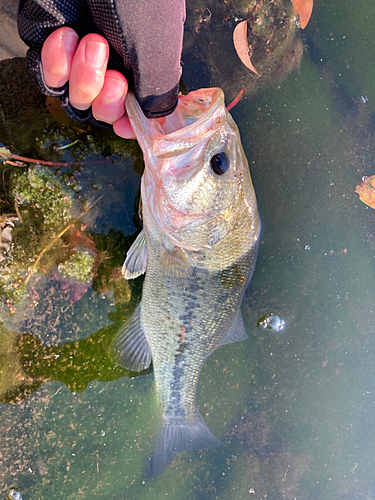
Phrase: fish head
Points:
(196, 183)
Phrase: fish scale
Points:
(198, 249)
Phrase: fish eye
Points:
(219, 163)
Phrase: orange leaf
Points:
(303, 8)
(366, 191)
(241, 45)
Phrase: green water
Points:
(295, 410)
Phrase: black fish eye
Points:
(219, 163)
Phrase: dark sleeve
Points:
(145, 37)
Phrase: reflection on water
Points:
(295, 411)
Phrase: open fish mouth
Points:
(183, 129)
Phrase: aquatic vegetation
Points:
(41, 204)
(79, 266)
(44, 201)
(47, 194)
(74, 363)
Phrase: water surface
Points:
(295, 408)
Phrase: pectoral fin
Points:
(177, 266)
(136, 258)
(131, 344)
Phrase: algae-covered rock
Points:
(79, 266)
(47, 189)
(45, 193)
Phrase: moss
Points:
(46, 192)
(74, 363)
(79, 266)
(11, 372)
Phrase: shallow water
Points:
(295, 409)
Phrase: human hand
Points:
(84, 64)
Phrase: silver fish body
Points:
(198, 249)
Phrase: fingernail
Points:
(69, 41)
(95, 54)
(113, 88)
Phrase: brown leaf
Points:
(80, 239)
(241, 45)
(303, 8)
(366, 191)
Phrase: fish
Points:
(198, 249)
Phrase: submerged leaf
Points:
(366, 191)
(241, 45)
(303, 8)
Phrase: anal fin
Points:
(236, 332)
(131, 344)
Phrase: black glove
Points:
(145, 38)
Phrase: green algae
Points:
(79, 266)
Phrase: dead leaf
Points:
(241, 45)
(303, 8)
(366, 191)
(80, 239)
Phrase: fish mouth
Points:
(181, 130)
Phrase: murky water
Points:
(296, 407)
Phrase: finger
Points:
(57, 56)
(123, 128)
(88, 70)
(109, 105)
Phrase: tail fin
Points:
(179, 436)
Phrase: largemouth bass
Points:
(198, 248)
